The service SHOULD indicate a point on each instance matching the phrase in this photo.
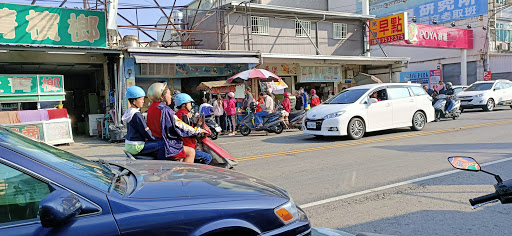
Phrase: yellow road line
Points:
(411, 135)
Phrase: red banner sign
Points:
(432, 36)
(223, 89)
(487, 75)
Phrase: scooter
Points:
(221, 158)
(273, 123)
(453, 110)
(295, 119)
(214, 128)
(503, 191)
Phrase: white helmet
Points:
(156, 90)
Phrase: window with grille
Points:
(302, 32)
(259, 25)
(339, 31)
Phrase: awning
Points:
(195, 60)
(326, 59)
(214, 84)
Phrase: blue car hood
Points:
(165, 179)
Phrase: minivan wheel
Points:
(418, 121)
(490, 105)
(356, 128)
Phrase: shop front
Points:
(186, 70)
(327, 73)
(43, 41)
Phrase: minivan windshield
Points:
(480, 87)
(346, 96)
(92, 173)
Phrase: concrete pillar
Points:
(106, 82)
(464, 67)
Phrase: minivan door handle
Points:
(388, 104)
(411, 100)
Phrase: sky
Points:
(145, 16)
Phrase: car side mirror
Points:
(373, 100)
(58, 208)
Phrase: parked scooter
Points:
(273, 123)
(453, 110)
(503, 191)
(214, 128)
(221, 158)
(295, 119)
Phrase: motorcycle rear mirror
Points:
(464, 163)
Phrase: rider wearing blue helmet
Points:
(139, 139)
(184, 104)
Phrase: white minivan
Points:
(372, 107)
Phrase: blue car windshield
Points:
(92, 173)
(346, 96)
(480, 87)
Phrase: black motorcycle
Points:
(214, 127)
(503, 188)
(295, 119)
(272, 123)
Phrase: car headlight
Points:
(334, 115)
(287, 212)
(479, 95)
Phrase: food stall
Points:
(221, 86)
(17, 95)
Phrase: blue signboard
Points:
(420, 77)
(425, 11)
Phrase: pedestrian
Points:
(218, 109)
(331, 94)
(440, 89)
(305, 98)
(286, 107)
(315, 100)
(267, 108)
(248, 98)
(231, 112)
(299, 104)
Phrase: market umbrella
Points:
(263, 75)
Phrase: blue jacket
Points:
(173, 129)
(136, 126)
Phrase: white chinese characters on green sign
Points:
(23, 24)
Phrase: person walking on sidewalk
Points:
(305, 98)
(286, 107)
(315, 100)
(166, 126)
(299, 101)
(248, 98)
(218, 110)
(231, 112)
(139, 139)
(184, 103)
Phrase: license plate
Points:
(465, 103)
(311, 125)
(218, 129)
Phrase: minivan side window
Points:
(506, 85)
(498, 86)
(398, 92)
(418, 91)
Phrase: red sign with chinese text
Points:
(487, 75)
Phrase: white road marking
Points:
(333, 199)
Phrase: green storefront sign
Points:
(34, 131)
(20, 88)
(25, 24)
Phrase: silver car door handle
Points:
(412, 100)
(388, 104)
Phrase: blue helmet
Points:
(182, 98)
(135, 92)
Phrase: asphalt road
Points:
(395, 182)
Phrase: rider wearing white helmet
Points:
(137, 131)
(164, 123)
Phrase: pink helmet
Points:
(231, 95)
(286, 95)
(313, 91)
